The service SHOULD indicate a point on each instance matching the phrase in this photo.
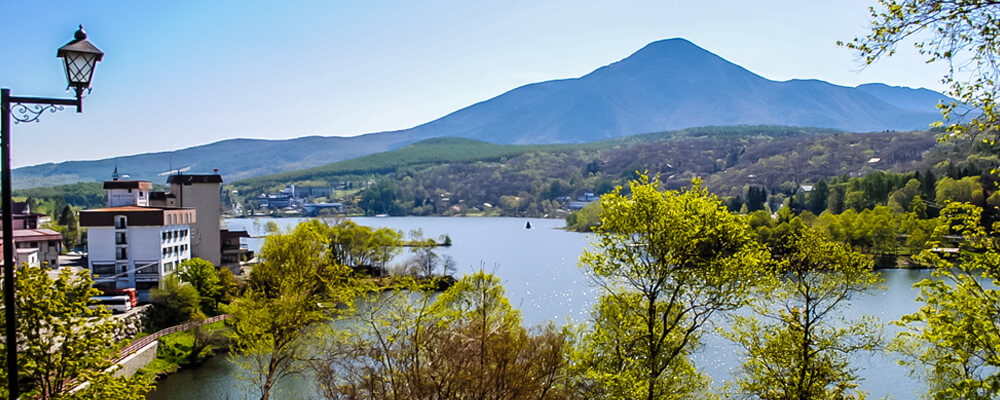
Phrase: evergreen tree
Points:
(817, 197)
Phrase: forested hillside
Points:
(453, 176)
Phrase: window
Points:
(104, 269)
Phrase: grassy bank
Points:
(189, 347)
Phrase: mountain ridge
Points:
(666, 85)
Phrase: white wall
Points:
(144, 243)
(127, 197)
(101, 243)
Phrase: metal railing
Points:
(144, 341)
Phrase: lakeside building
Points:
(295, 197)
(142, 235)
(234, 254)
(135, 246)
(132, 244)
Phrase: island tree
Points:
(666, 261)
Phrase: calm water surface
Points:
(540, 273)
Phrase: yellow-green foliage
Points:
(796, 343)
(666, 262)
(953, 340)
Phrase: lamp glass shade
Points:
(79, 68)
(80, 57)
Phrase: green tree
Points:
(379, 198)
(71, 234)
(961, 34)
(62, 338)
(270, 338)
(800, 345)
(958, 190)
(174, 302)
(666, 262)
(585, 219)
(901, 200)
(953, 340)
(204, 277)
(276, 318)
(817, 197)
(361, 246)
(228, 288)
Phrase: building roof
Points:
(189, 179)
(137, 215)
(125, 208)
(35, 234)
(118, 184)
(226, 233)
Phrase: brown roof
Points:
(35, 234)
(189, 179)
(128, 185)
(136, 215)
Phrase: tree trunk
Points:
(269, 381)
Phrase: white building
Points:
(134, 246)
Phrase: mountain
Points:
(674, 84)
(234, 158)
(667, 85)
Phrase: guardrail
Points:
(146, 340)
(71, 384)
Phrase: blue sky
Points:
(183, 73)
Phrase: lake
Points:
(539, 270)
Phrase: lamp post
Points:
(79, 57)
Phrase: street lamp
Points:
(79, 57)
